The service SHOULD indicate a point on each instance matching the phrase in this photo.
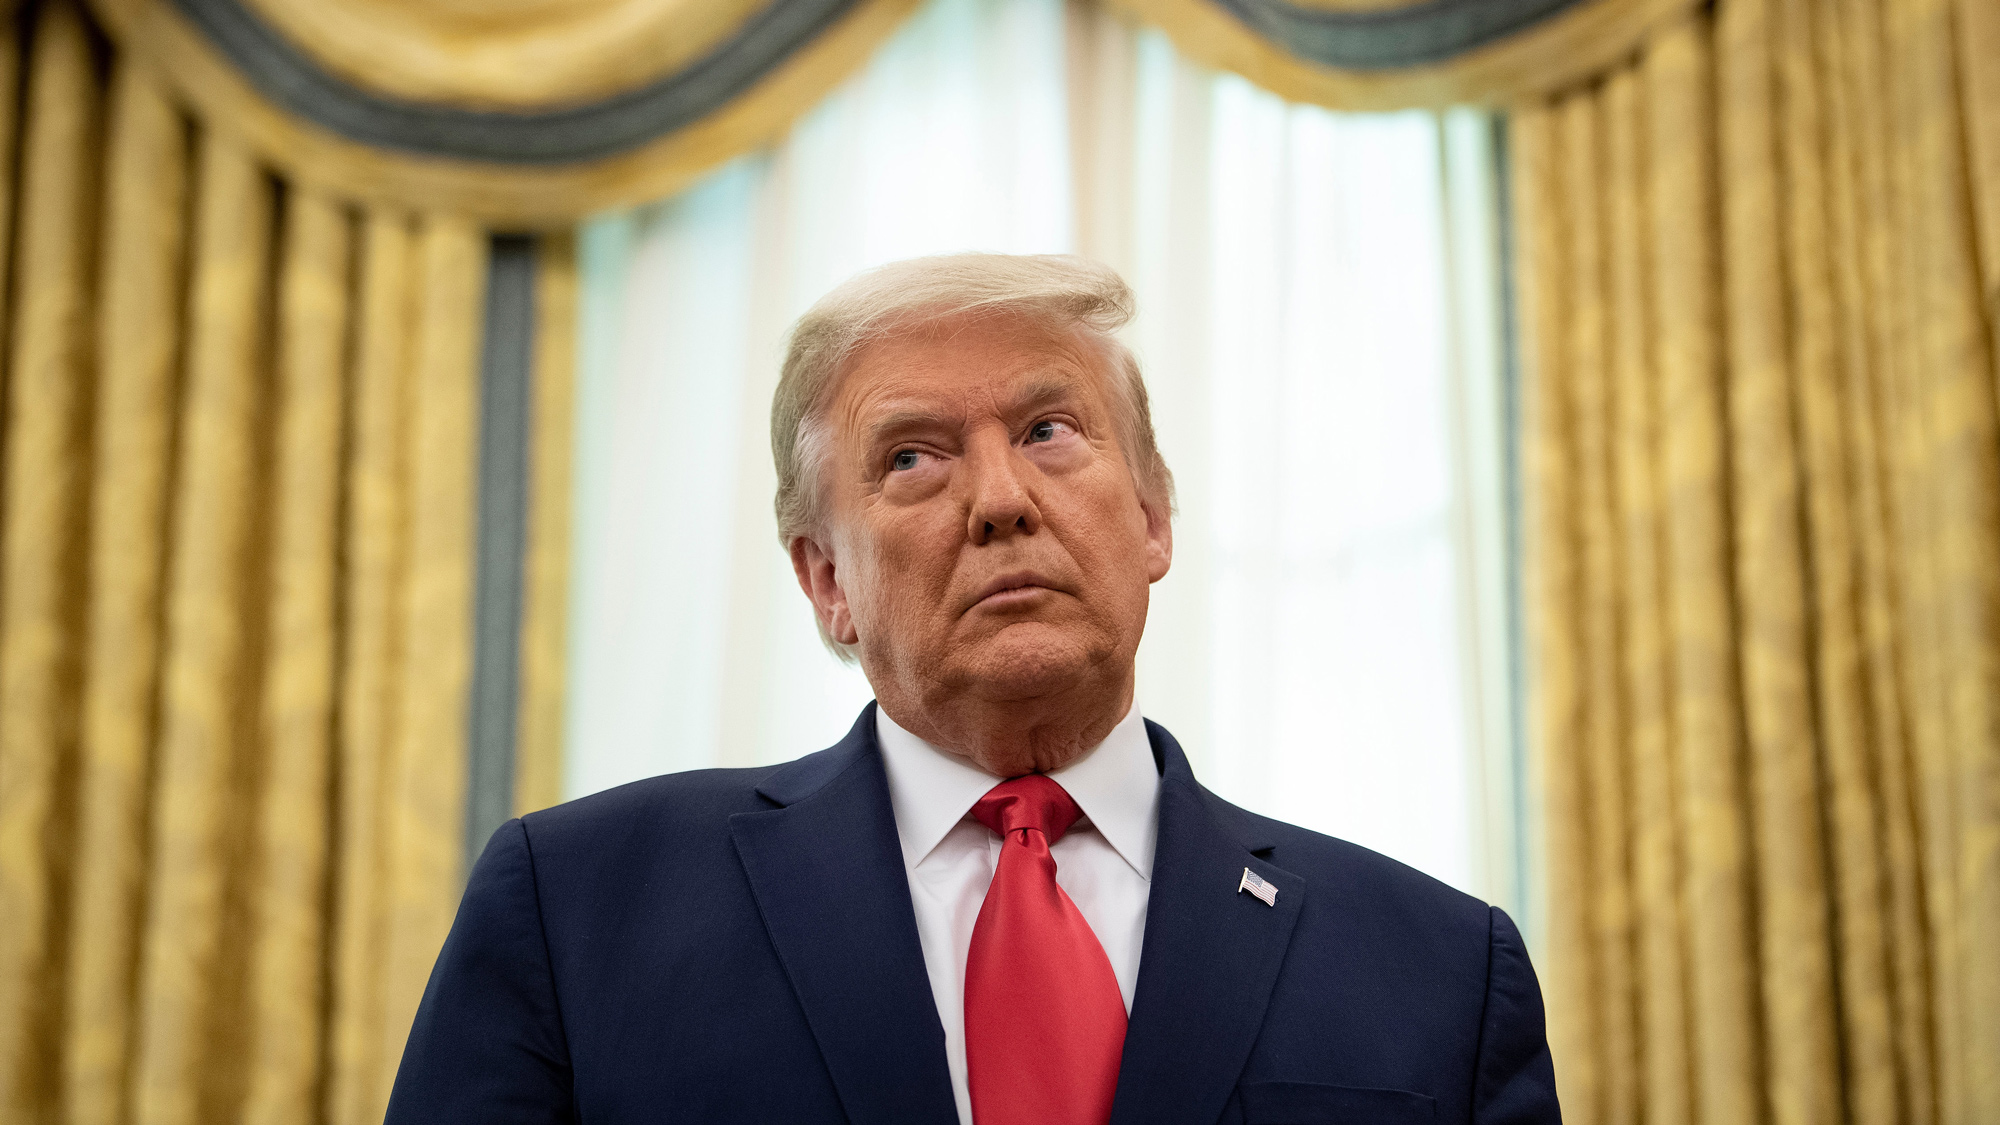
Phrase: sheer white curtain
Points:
(691, 644)
(1317, 319)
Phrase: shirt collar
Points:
(930, 790)
(1116, 784)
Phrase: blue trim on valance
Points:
(1390, 38)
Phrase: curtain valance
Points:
(520, 112)
(528, 113)
(1398, 54)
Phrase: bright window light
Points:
(1324, 647)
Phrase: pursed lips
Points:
(1007, 589)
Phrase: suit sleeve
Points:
(1516, 1082)
(488, 1043)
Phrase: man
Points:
(1002, 898)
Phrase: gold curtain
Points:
(1760, 273)
(236, 529)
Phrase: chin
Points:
(1027, 661)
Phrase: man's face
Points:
(986, 534)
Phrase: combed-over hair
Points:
(1059, 292)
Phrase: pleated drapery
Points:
(237, 529)
(1764, 573)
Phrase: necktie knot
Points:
(1033, 801)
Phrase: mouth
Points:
(1011, 589)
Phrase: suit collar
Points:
(797, 780)
(827, 872)
(1253, 832)
(1211, 955)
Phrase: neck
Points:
(1012, 737)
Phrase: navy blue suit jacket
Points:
(739, 945)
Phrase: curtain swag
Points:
(532, 115)
(1385, 55)
(529, 116)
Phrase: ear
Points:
(813, 565)
(1159, 540)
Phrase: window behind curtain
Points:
(1318, 299)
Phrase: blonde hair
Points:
(1058, 292)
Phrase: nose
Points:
(999, 502)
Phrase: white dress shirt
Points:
(1104, 862)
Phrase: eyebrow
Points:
(883, 429)
(1039, 392)
(1042, 391)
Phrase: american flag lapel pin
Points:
(1255, 884)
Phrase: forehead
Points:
(986, 359)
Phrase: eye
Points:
(1041, 431)
(903, 459)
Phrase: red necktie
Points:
(1044, 1023)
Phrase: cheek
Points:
(904, 561)
(1111, 532)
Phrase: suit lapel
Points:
(827, 873)
(1210, 958)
